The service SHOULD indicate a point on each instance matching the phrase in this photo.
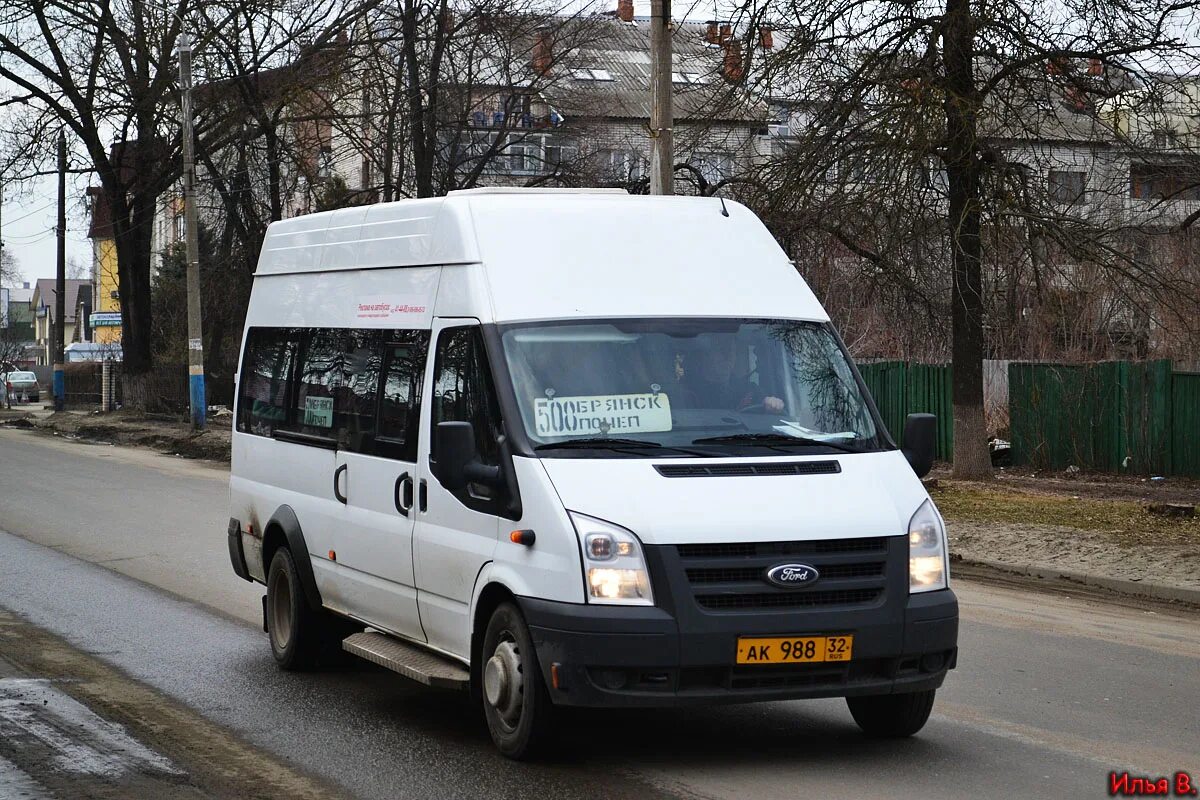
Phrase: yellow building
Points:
(106, 298)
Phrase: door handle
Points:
(423, 496)
(337, 474)
(404, 482)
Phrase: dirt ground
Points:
(164, 434)
(1103, 486)
(1096, 527)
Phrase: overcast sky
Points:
(27, 225)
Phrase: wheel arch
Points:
(490, 593)
(283, 529)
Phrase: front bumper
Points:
(680, 653)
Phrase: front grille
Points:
(731, 577)
(746, 574)
(823, 546)
(790, 599)
(744, 470)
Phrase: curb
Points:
(1156, 591)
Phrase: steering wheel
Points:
(753, 407)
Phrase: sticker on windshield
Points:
(602, 415)
(318, 412)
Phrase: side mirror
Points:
(920, 442)
(458, 459)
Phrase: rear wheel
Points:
(892, 716)
(518, 709)
(294, 629)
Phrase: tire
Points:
(892, 716)
(294, 629)
(516, 705)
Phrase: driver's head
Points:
(717, 355)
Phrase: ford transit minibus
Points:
(578, 448)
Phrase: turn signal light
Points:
(525, 537)
(332, 556)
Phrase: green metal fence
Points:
(1115, 416)
(901, 388)
(1185, 423)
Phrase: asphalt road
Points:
(122, 553)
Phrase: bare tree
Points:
(443, 96)
(907, 115)
(106, 73)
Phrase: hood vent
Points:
(744, 470)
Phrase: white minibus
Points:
(578, 448)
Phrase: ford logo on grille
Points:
(792, 576)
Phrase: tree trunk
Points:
(132, 234)
(963, 167)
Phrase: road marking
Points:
(33, 714)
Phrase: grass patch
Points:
(1127, 521)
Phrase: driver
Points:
(710, 382)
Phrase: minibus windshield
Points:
(686, 386)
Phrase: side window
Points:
(463, 390)
(318, 377)
(266, 370)
(356, 399)
(403, 366)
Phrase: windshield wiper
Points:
(597, 441)
(770, 439)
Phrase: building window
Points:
(1068, 187)
(180, 227)
(714, 167)
(621, 165)
(1164, 182)
(559, 155)
(325, 162)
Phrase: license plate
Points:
(793, 649)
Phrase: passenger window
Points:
(356, 397)
(318, 378)
(400, 396)
(266, 370)
(463, 390)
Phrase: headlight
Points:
(614, 570)
(926, 550)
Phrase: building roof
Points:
(43, 294)
(622, 51)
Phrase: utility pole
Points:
(60, 298)
(662, 112)
(195, 334)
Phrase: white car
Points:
(22, 385)
(578, 448)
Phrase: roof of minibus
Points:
(553, 254)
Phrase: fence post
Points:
(106, 386)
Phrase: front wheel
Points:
(518, 709)
(892, 716)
